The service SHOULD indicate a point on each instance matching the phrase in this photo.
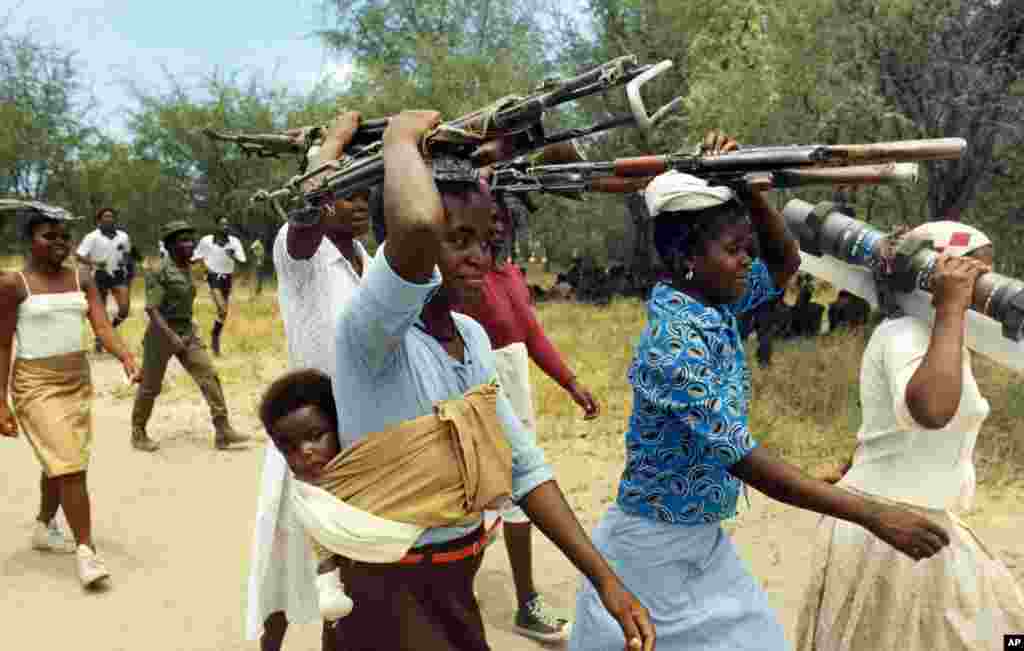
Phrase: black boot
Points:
(215, 337)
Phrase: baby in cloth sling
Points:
(373, 500)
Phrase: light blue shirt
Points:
(390, 371)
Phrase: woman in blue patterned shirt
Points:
(688, 448)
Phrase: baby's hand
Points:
(334, 603)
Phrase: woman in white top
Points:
(922, 411)
(42, 310)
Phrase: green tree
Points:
(42, 103)
(206, 180)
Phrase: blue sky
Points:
(119, 40)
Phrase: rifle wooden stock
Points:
(641, 166)
(898, 150)
(854, 175)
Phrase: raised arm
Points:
(303, 241)
(412, 204)
(779, 249)
(933, 393)
(11, 294)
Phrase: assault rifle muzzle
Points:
(823, 230)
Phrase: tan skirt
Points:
(866, 596)
(52, 399)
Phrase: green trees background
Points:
(789, 71)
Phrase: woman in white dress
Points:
(922, 411)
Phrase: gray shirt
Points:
(389, 371)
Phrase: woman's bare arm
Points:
(11, 294)
(908, 532)
(412, 204)
(933, 393)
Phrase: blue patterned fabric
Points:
(691, 389)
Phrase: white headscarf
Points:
(675, 191)
(951, 237)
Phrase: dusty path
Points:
(175, 528)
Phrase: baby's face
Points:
(307, 440)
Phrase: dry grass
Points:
(804, 407)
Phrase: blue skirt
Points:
(699, 593)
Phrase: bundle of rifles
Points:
(553, 163)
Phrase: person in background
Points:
(848, 310)
(107, 250)
(43, 309)
(504, 310)
(219, 252)
(170, 296)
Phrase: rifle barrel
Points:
(849, 240)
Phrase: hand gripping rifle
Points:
(844, 251)
(516, 120)
(761, 168)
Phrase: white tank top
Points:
(50, 324)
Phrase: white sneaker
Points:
(90, 567)
(334, 603)
(51, 538)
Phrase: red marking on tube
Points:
(960, 239)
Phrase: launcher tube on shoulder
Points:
(822, 230)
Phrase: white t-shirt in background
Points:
(219, 259)
(108, 253)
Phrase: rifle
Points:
(298, 141)
(516, 120)
(843, 250)
(761, 168)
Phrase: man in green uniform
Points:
(170, 295)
